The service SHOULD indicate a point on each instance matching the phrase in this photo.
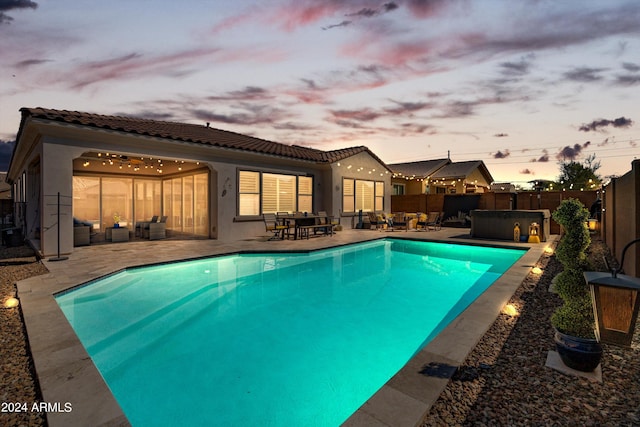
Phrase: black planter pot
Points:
(581, 354)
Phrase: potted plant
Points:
(573, 321)
(116, 220)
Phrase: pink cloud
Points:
(427, 8)
(338, 82)
(301, 13)
(232, 22)
(130, 65)
(137, 65)
(288, 16)
(363, 115)
(405, 53)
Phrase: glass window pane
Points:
(305, 194)
(249, 204)
(379, 204)
(249, 182)
(348, 201)
(364, 195)
(348, 186)
(176, 205)
(147, 199)
(379, 195)
(187, 204)
(86, 199)
(166, 204)
(305, 185)
(201, 205)
(305, 203)
(117, 201)
(248, 193)
(278, 193)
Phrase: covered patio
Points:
(110, 188)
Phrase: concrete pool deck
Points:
(67, 375)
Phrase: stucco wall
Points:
(224, 195)
(359, 166)
(57, 177)
(62, 143)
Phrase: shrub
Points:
(575, 317)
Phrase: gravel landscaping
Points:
(503, 381)
(18, 384)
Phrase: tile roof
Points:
(420, 169)
(191, 133)
(462, 170)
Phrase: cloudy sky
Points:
(518, 84)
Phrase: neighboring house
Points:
(413, 177)
(440, 176)
(208, 182)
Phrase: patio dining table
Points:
(298, 221)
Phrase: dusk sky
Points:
(517, 84)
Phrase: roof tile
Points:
(193, 133)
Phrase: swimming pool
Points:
(280, 339)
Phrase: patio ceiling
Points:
(116, 163)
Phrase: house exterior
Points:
(440, 176)
(208, 182)
(413, 177)
(6, 202)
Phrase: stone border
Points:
(67, 374)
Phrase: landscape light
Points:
(11, 302)
(510, 310)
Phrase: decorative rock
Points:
(519, 390)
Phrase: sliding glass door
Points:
(184, 200)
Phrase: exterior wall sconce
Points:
(592, 224)
(615, 303)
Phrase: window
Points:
(348, 195)
(398, 189)
(379, 195)
(358, 194)
(249, 193)
(86, 199)
(186, 203)
(278, 193)
(117, 196)
(271, 193)
(305, 194)
(147, 198)
(201, 204)
(364, 195)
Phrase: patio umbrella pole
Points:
(58, 258)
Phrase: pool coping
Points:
(67, 374)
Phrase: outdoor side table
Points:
(120, 234)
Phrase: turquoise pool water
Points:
(273, 339)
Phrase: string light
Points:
(134, 163)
